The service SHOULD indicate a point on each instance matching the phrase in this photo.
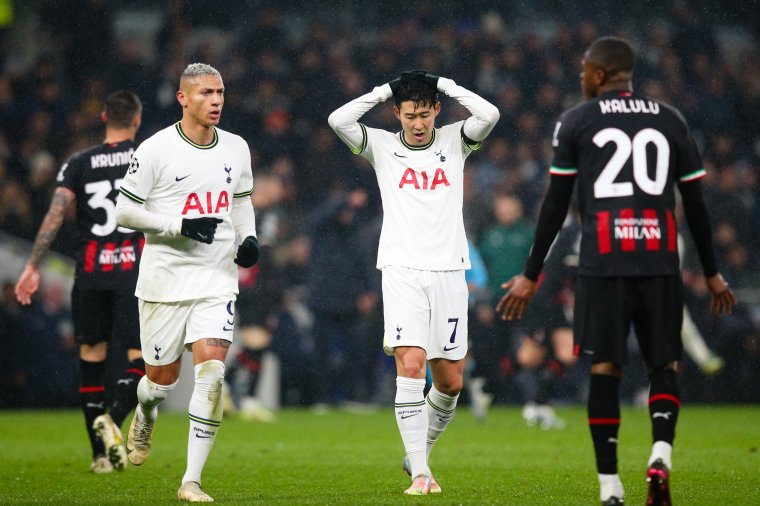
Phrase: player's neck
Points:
(618, 85)
(117, 135)
(196, 132)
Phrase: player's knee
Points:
(93, 352)
(411, 362)
(210, 373)
(530, 356)
(450, 386)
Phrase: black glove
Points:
(248, 252)
(200, 229)
(422, 75)
(394, 85)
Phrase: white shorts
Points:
(426, 309)
(168, 328)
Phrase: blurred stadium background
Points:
(286, 66)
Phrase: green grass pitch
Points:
(344, 458)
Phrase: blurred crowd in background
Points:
(314, 298)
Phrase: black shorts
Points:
(605, 308)
(100, 315)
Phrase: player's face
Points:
(202, 99)
(417, 124)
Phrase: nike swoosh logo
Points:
(227, 330)
(400, 156)
(449, 349)
(203, 437)
(181, 178)
(404, 417)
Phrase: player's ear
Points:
(600, 76)
(397, 112)
(181, 98)
(104, 117)
(437, 108)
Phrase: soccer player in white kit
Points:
(423, 250)
(188, 189)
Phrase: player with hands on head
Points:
(423, 250)
(627, 153)
(103, 305)
(189, 189)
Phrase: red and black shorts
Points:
(606, 307)
(100, 315)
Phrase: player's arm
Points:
(553, 211)
(695, 210)
(29, 281)
(345, 119)
(131, 214)
(484, 114)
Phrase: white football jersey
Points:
(173, 176)
(422, 192)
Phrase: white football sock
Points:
(149, 396)
(440, 410)
(664, 451)
(412, 420)
(610, 485)
(205, 412)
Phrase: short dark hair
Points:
(121, 107)
(612, 54)
(417, 91)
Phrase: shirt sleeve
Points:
(67, 174)
(140, 176)
(244, 187)
(565, 160)
(689, 161)
(484, 114)
(345, 120)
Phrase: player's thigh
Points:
(562, 343)
(531, 353)
(448, 315)
(92, 316)
(659, 318)
(162, 330)
(602, 319)
(210, 327)
(126, 318)
(406, 309)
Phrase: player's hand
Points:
(200, 229)
(723, 299)
(27, 285)
(512, 304)
(423, 75)
(394, 84)
(248, 252)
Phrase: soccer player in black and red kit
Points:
(103, 301)
(627, 152)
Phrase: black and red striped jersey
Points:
(627, 152)
(108, 255)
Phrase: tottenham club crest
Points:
(228, 170)
(133, 166)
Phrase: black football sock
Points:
(604, 421)
(664, 404)
(548, 375)
(251, 360)
(125, 399)
(92, 397)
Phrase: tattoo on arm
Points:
(62, 198)
(221, 343)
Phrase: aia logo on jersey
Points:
(208, 205)
(423, 181)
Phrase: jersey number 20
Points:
(605, 185)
